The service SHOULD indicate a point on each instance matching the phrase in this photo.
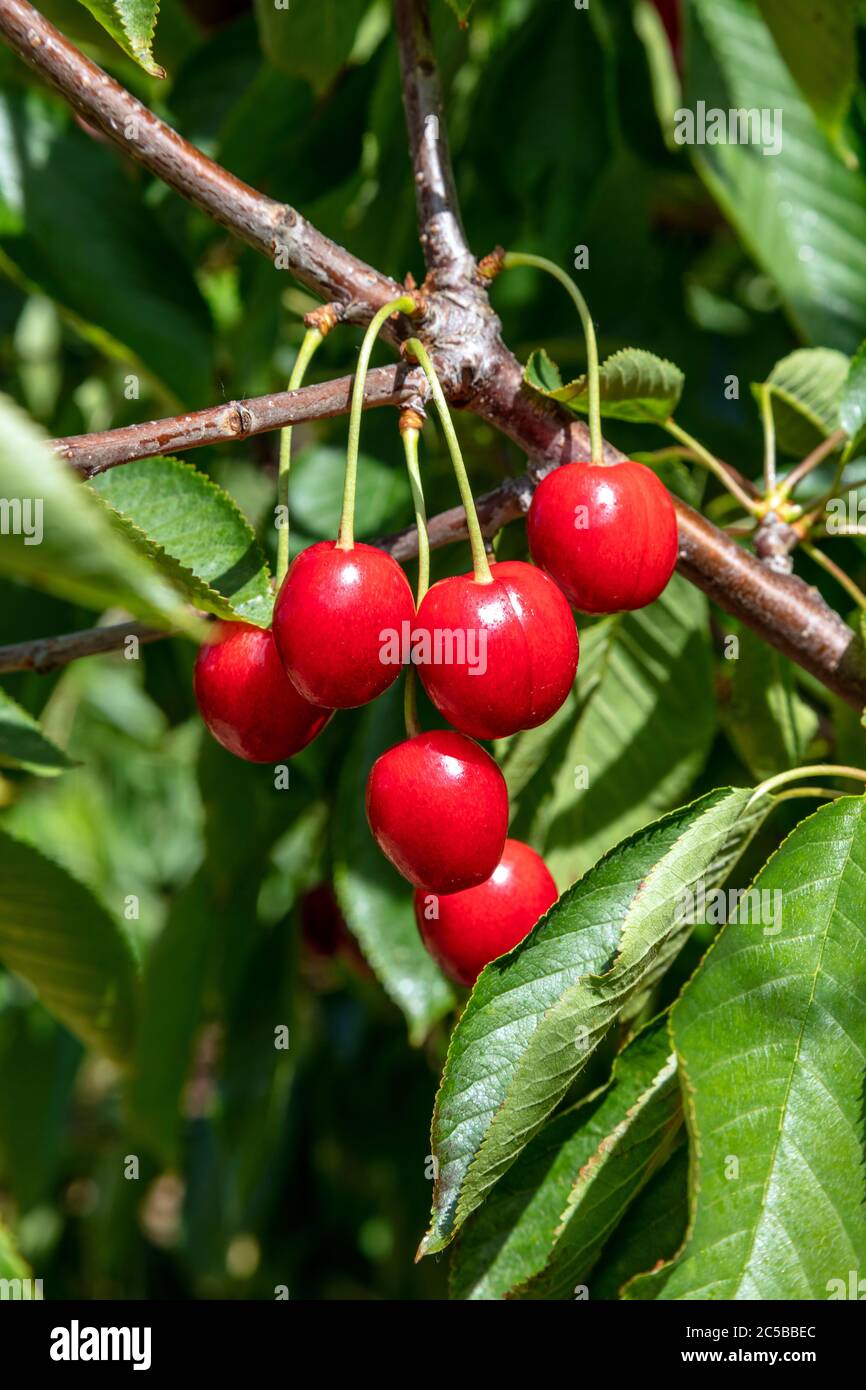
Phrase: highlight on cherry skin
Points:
(521, 649)
(466, 931)
(606, 534)
(330, 613)
(246, 699)
(437, 805)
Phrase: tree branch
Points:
(47, 653)
(781, 608)
(459, 327)
(441, 231)
(90, 454)
(274, 229)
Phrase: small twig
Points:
(726, 475)
(838, 574)
(823, 450)
(45, 654)
(94, 453)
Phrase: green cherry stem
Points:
(815, 770)
(404, 305)
(838, 574)
(410, 434)
(518, 258)
(312, 339)
(410, 431)
(480, 564)
(715, 466)
(769, 422)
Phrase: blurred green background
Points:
(305, 1168)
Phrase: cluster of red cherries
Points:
(603, 539)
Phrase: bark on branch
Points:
(442, 237)
(94, 453)
(459, 328)
(274, 229)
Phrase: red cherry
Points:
(498, 657)
(607, 535)
(247, 700)
(464, 931)
(438, 807)
(337, 620)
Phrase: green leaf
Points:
(800, 212)
(132, 25)
(195, 533)
(543, 1227)
(769, 723)
(75, 224)
(12, 1265)
(542, 373)
(771, 1040)
(57, 937)
(39, 1059)
(806, 390)
(172, 995)
(24, 745)
(817, 39)
(651, 1230)
(635, 385)
(852, 406)
(536, 1016)
(375, 900)
(63, 539)
(644, 699)
(310, 38)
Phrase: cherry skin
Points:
(333, 619)
(518, 644)
(465, 931)
(438, 807)
(607, 535)
(247, 700)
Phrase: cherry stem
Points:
(769, 422)
(312, 339)
(410, 704)
(715, 466)
(822, 451)
(815, 770)
(411, 436)
(404, 305)
(838, 574)
(480, 563)
(523, 258)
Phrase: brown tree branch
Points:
(460, 328)
(46, 654)
(90, 454)
(442, 237)
(274, 229)
(829, 650)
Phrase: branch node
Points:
(324, 317)
(411, 419)
(492, 264)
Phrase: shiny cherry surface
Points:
(335, 619)
(438, 807)
(498, 657)
(247, 700)
(606, 535)
(465, 931)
